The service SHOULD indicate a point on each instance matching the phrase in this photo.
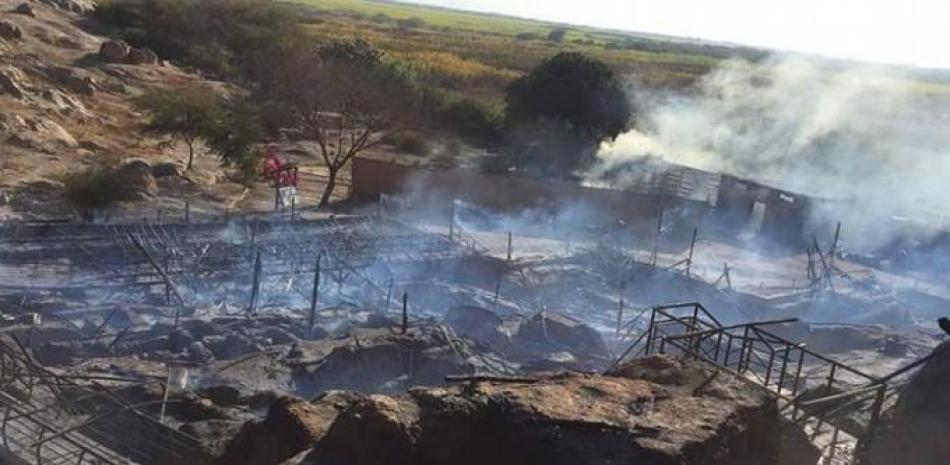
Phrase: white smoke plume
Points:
(875, 142)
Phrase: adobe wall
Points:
(504, 193)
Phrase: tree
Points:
(185, 114)
(346, 99)
(564, 109)
(557, 34)
(233, 136)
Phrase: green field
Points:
(477, 54)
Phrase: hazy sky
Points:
(894, 31)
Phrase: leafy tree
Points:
(185, 114)
(233, 136)
(557, 34)
(563, 110)
(346, 98)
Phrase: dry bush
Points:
(410, 142)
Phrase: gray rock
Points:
(25, 9)
(114, 51)
(142, 56)
(10, 83)
(10, 31)
(73, 79)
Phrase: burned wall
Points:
(511, 194)
(772, 213)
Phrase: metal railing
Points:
(827, 397)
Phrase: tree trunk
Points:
(331, 183)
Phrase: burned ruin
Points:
(198, 340)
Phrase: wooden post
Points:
(315, 297)
(510, 247)
(165, 392)
(692, 246)
(293, 208)
(405, 312)
(187, 212)
(656, 237)
(389, 294)
(497, 292)
(834, 246)
(255, 285)
(276, 193)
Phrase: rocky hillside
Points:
(66, 102)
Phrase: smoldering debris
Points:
(868, 140)
(393, 306)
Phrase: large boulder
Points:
(114, 51)
(916, 430)
(73, 79)
(25, 9)
(167, 169)
(292, 425)
(135, 180)
(10, 31)
(142, 56)
(564, 419)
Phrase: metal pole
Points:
(256, 284)
(165, 392)
(692, 245)
(656, 238)
(315, 297)
(405, 312)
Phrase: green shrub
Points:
(410, 142)
(90, 190)
(411, 23)
(474, 122)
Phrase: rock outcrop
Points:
(386, 361)
(916, 430)
(10, 31)
(292, 426)
(694, 416)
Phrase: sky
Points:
(912, 32)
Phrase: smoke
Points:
(872, 142)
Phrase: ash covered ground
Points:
(264, 339)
